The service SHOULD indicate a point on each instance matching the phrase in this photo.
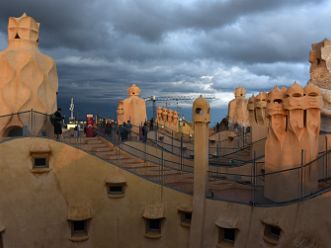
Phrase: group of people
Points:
(116, 132)
(124, 131)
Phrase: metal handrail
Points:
(256, 177)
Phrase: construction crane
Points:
(175, 99)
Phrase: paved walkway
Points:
(176, 179)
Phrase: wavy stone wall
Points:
(28, 78)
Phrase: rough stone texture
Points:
(257, 116)
(237, 110)
(37, 206)
(294, 127)
(320, 75)
(28, 78)
(35, 209)
(201, 119)
(132, 108)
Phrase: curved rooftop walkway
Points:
(239, 152)
(231, 187)
(241, 184)
(162, 171)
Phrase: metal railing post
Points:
(31, 122)
(119, 145)
(302, 175)
(172, 141)
(251, 179)
(254, 178)
(162, 173)
(326, 158)
(155, 131)
(181, 153)
(243, 134)
(220, 148)
(145, 148)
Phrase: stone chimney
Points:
(201, 119)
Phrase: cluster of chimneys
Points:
(167, 117)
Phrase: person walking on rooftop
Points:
(77, 132)
(129, 128)
(57, 123)
(108, 128)
(124, 133)
(144, 132)
(151, 124)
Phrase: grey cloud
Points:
(173, 47)
(84, 24)
(280, 36)
(63, 23)
(151, 19)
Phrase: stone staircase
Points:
(164, 176)
(106, 151)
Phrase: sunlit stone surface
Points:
(133, 108)
(28, 78)
(320, 75)
(237, 111)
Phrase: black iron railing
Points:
(250, 182)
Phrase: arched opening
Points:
(14, 131)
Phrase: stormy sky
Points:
(172, 47)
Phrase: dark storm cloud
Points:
(173, 47)
(151, 19)
(105, 25)
(70, 24)
(273, 38)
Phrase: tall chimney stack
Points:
(201, 119)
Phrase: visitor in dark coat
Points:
(129, 128)
(57, 122)
(144, 132)
(151, 124)
(108, 128)
(124, 132)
